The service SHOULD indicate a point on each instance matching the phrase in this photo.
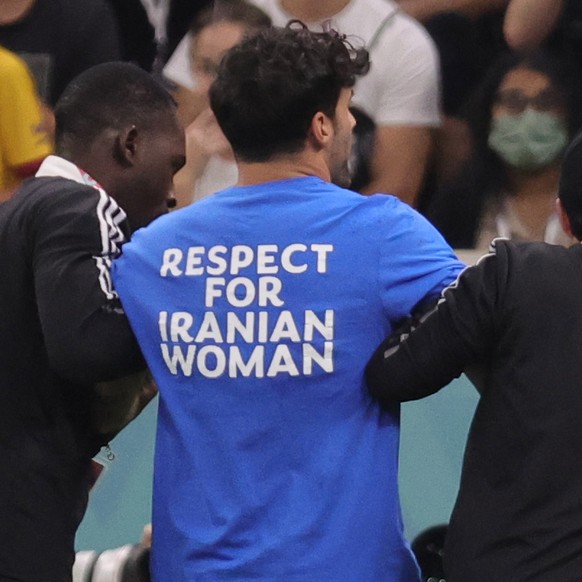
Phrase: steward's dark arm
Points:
(118, 402)
(86, 332)
(459, 331)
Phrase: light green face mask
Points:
(529, 140)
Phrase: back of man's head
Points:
(107, 96)
(570, 189)
(271, 85)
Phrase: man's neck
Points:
(311, 11)
(282, 168)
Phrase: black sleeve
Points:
(88, 339)
(426, 355)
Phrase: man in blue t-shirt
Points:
(257, 309)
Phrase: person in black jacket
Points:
(67, 352)
(516, 318)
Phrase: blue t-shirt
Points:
(257, 309)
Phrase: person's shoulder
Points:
(56, 192)
(373, 10)
(42, 200)
(389, 20)
(528, 250)
(403, 42)
(408, 35)
(345, 196)
(56, 186)
(534, 274)
(532, 261)
(387, 214)
(389, 203)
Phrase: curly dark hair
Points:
(271, 84)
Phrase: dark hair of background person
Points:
(457, 207)
(237, 11)
(570, 185)
(300, 72)
(96, 100)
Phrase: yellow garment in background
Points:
(23, 137)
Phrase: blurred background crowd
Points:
(465, 113)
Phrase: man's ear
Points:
(321, 129)
(125, 146)
(564, 218)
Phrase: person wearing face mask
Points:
(522, 118)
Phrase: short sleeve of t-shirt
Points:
(403, 85)
(415, 261)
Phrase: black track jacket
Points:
(61, 331)
(517, 313)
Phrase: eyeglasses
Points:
(515, 101)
